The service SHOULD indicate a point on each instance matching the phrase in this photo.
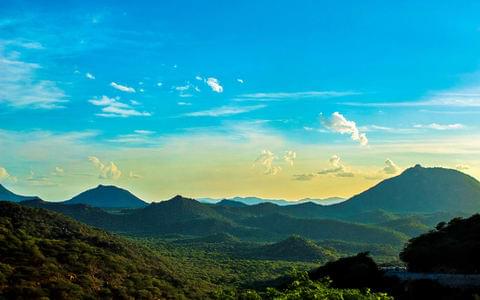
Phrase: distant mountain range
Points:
(108, 196)
(281, 202)
(390, 212)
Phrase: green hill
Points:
(295, 248)
(44, 254)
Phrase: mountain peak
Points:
(420, 189)
(108, 196)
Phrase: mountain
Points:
(46, 255)
(10, 196)
(418, 190)
(281, 202)
(108, 196)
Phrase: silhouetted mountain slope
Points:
(419, 189)
(46, 255)
(231, 203)
(324, 229)
(281, 202)
(7, 195)
(188, 217)
(108, 196)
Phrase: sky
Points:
(275, 99)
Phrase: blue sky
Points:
(214, 86)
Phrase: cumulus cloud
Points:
(90, 76)
(436, 126)
(338, 123)
(114, 108)
(107, 171)
(266, 160)
(21, 87)
(239, 80)
(336, 168)
(462, 167)
(122, 88)
(290, 157)
(214, 84)
(224, 111)
(390, 167)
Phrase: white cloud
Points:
(214, 84)
(338, 123)
(200, 78)
(266, 160)
(290, 157)
(114, 108)
(390, 167)
(239, 80)
(224, 111)
(336, 167)
(20, 86)
(90, 76)
(108, 171)
(122, 88)
(181, 103)
(159, 84)
(437, 126)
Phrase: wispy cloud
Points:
(122, 88)
(276, 96)
(114, 108)
(338, 123)
(436, 126)
(20, 86)
(224, 111)
(89, 76)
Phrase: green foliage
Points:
(451, 247)
(302, 287)
(43, 254)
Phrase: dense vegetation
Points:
(43, 254)
(453, 247)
